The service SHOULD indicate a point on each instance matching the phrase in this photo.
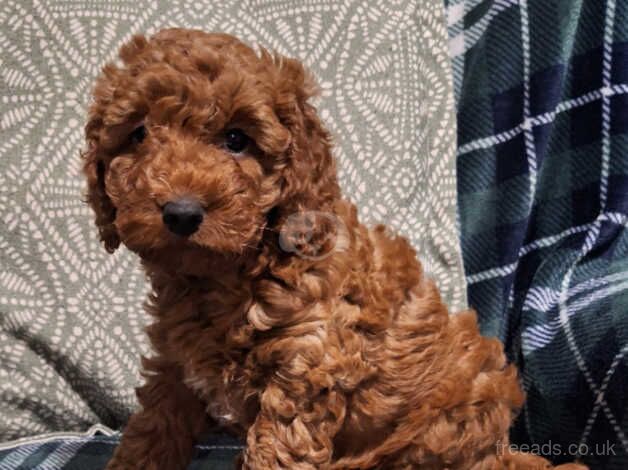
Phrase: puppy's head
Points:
(198, 144)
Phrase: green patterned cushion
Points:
(70, 315)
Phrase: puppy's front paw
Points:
(238, 462)
(150, 463)
(126, 463)
(117, 464)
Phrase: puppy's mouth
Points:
(207, 238)
(184, 257)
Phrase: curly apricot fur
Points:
(343, 361)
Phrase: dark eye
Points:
(138, 135)
(236, 140)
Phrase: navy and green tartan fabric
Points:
(92, 451)
(542, 95)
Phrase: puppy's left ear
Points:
(294, 79)
(94, 168)
(310, 181)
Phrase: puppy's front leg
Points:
(161, 435)
(292, 433)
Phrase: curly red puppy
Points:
(276, 314)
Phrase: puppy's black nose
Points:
(183, 216)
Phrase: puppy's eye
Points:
(138, 135)
(236, 140)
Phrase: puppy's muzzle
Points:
(183, 216)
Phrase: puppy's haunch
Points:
(276, 314)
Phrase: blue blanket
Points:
(92, 451)
(542, 95)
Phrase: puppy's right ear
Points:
(94, 168)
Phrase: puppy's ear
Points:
(94, 168)
(294, 79)
(309, 179)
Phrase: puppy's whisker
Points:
(162, 179)
(252, 247)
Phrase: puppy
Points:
(276, 314)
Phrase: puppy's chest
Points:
(212, 358)
(225, 394)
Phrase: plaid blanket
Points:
(93, 449)
(542, 94)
